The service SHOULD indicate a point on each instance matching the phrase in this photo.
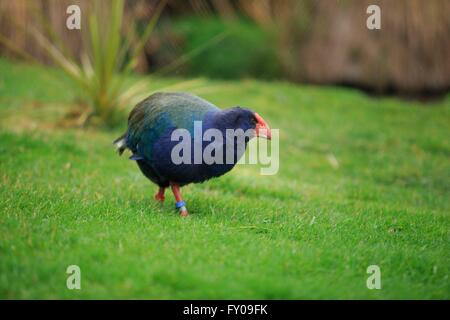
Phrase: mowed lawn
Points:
(362, 181)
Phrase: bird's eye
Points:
(254, 121)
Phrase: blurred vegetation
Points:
(242, 53)
(106, 59)
(305, 41)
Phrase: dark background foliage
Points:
(306, 41)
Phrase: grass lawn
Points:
(362, 181)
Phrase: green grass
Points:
(310, 231)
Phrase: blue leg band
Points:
(180, 204)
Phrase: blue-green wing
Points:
(161, 112)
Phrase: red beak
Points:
(262, 129)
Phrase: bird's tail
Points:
(120, 144)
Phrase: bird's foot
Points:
(181, 205)
(159, 197)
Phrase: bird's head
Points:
(245, 119)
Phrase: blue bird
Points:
(150, 137)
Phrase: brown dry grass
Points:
(320, 41)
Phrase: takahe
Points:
(149, 137)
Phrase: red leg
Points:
(160, 195)
(179, 201)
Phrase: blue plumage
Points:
(150, 127)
